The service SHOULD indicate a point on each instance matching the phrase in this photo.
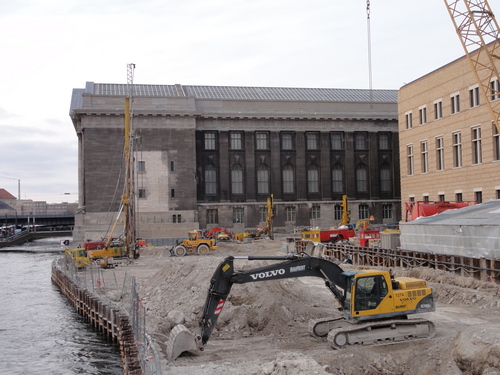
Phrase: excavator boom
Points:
(292, 266)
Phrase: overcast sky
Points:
(50, 47)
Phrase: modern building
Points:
(208, 156)
(450, 148)
(10, 206)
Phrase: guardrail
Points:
(478, 268)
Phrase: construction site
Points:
(263, 327)
(369, 297)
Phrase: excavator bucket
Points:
(180, 341)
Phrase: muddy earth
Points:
(263, 326)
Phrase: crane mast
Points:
(127, 198)
(478, 31)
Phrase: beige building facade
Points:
(449, 146)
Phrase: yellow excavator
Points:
(375, 305)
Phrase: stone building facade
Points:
(450, 149)
(208, 156)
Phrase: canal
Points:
(40, 331)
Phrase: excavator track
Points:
(380, 333)
(321, 327)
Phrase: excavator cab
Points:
(371, 293)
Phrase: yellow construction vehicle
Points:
(267, 229)
(346, 214)
(78, 257)
(375, 305)
(195, 243)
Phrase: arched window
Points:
(288, 179)
(262, 179)
(385, 178)
(338, 178)
(210, 180)
(237, 179)
(361, 178)
(313, 179)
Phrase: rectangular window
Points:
(315, 212)
(142, 193)
(455, 103)
(387, 211)
(262, 213)
(477, 156)
(312, 141)
(337, 212)
(439, 153)
(209, 141)
(422, 111)
(498, 194)
(141, 167)
(426, 198)
(364, 211)
(337, 140)
(457, 150)
(287, 141)
(172, 193)
(474, 96)
(237, 180)
(172, 166)
(236, 141)
(262, 141)
(495, 89)
(262, 179)
(496, 143)
(212, 216)
(360, 141)
(313, 180)
(290, 213)
(441, 197)
(424, 152)
(288, 181)
(438, 109)
(210, 180)
(384, 141)
(479, 196)
(458, 197)
(176, 219)
(409, 120)
(409, 158)
(238, 214)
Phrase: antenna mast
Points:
(369, 44)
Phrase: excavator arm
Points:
(292, 266)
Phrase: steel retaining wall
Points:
(477, 268)
(107, 319)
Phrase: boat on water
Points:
(113, 249)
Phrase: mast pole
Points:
(127, 199)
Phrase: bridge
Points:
(61, 221)
(28, 236)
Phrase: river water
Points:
(40, 331)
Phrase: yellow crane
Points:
(478, 31)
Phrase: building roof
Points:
(5, 206)
(248, 93)
(4, 194)
(487, 213)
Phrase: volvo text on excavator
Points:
(375, 305)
